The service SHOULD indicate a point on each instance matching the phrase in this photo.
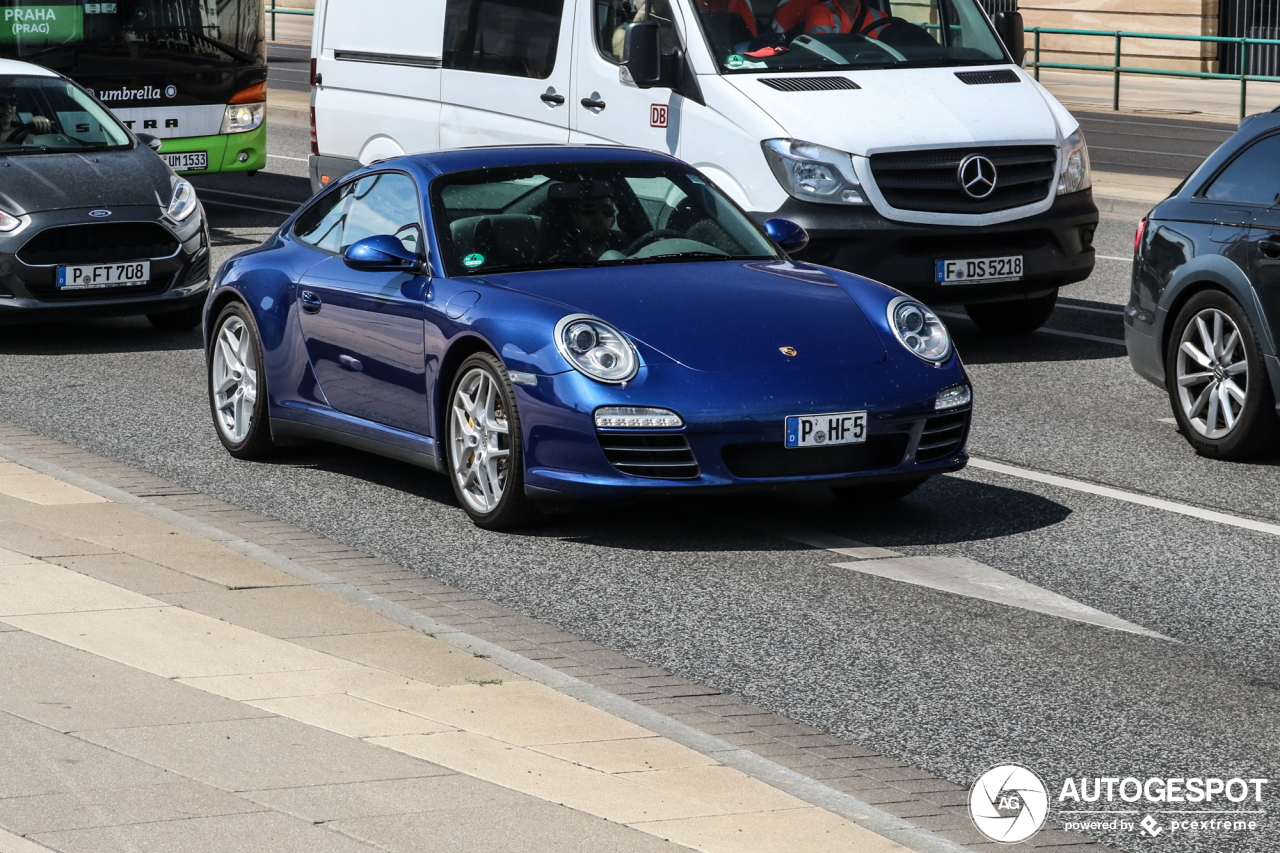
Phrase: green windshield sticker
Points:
(472, 261)
(735, 61)
(41, 24)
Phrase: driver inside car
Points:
(10, 120)
(582, 226)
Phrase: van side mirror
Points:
(1009, 28)
(790, 236)
(149, 141)
(642, 54)
(382, 253)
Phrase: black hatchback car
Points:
(1205, 302)
(92, 222)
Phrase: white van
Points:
(901, 134)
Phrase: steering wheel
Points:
(21, 132)
(650, 237)
(881, 22)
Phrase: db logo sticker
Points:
(658, 115)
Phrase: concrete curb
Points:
(850, 808)
(1123, 208)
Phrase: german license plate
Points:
(978, 269)
(187, 161)
(128, 274)
(821, 430)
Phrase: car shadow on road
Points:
(105, 335)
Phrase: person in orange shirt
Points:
(742, 8)
(827, 16)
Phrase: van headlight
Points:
(919, 330)
(241, 118)
(183, 201)
(814, 172)
(1075, 165)
(597, 349)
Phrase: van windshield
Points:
(587, 215)
(827, 35)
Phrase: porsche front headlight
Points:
(183, 201)
(1075, 165)
(597, 349)
(919, 330)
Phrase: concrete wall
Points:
(1180, 17)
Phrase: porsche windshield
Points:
(587, 215)
(825, 35)
(169, 35)
(40, 115)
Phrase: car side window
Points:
(612, 17)
(321, 224)
(513, 37)
(1253, 177)
(383, 203)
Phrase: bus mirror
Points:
(1009, 28)
(642, 54)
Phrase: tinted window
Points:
(1253, 177)
(321, 224)
(514, 37)
(386, 203)
(612, 17)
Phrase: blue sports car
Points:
(557, 323)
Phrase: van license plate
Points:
(187, 161)
(821, 430)
(104, 275)
(973, 270)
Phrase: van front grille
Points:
(663, 456)
(942, 436)
(929, 181)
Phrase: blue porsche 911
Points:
(556, 323)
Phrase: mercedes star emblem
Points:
(977, 176)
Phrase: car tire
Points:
(878, 493)
(178, 321)
(238, 385)
(1016, 317)
(1222, 400)
(484, 450)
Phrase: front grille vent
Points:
(809, 84)
(98, 243)
(986, 78)
(774, 459)
(663, 456)
(942, 437)
(929, 180)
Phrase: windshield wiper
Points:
(675, 257)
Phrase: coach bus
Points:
(192, 73)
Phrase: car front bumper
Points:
(181, 265)
(1056, 247)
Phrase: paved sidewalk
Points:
(161, 691)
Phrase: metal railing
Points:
(273, 11)
(1119, 68)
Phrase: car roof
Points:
(13, 66)
(463, 159)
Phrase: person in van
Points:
(815, 17)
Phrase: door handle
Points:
(310, 302)
(1270, 246)
(552, 98)
(593, 103)
(350, 363)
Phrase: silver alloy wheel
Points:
(1212, 373)
(234, 379)
(480, 441)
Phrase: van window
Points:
(830, 35)
(1253, 177)
(513, 37)
(612, 17)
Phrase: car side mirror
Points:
(1009, 28)
(382, 253)
(642, 54)
(787, 234)
(149, 141)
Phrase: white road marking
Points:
(1059, 332)
(823, 541)
(1117, 312)
(1128, 497)
(1099, 257)
(282, 157)
(962, 576)
(1173, 421)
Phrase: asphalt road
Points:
(949, 683)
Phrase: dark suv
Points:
(1205, 301)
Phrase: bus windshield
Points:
(170, 35)
(831, 35)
